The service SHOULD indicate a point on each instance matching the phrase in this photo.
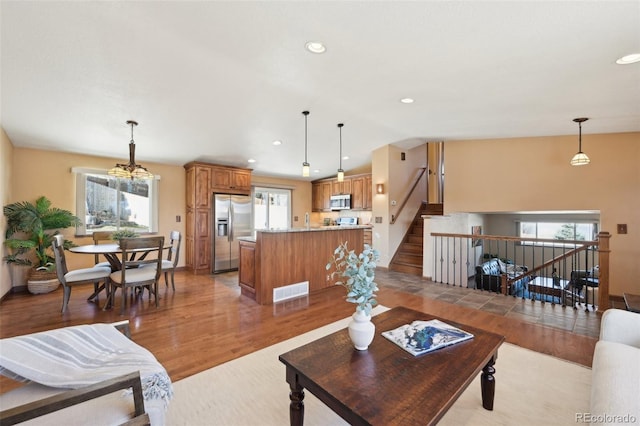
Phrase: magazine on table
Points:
(421, 337)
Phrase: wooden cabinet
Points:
(359, 186)
(247, 268)
(202, 181)
(357, 193)
(327, 191)
(231, 180)
(317, 197)
(343, 187)
(368, 193)
(368, 236)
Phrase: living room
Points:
(491, 169)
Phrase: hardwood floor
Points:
(206, 321)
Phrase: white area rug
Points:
(531, 389)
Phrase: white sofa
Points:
(615, 386)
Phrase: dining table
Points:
(111, 252)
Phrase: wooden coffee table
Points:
(385, 384)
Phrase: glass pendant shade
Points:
(305, 169)
(340, 175)
(131, 170)
(580, 159)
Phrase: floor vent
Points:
(290, 291)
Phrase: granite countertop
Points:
(252, 238)
(316, 228)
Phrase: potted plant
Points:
(357, 274)
(30, 230)
(124, 233)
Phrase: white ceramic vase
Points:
(361, 330)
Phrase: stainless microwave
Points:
(340, 202)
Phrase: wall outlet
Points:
(378, 219)
(178, 219)
(295, 218)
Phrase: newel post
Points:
(603, 256)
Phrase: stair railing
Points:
(455, 257)
(394, 217)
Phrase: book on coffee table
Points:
(421, 337)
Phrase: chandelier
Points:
(131, 170)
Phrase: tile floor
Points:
(579, 321)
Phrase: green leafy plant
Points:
(124, 233)
(357, 273)
(31, 227)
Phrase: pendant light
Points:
(131, 170)
(580, 159)
(305, 165)
(340, 171)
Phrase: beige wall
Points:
(398, 176)
(48, 173)
(6, 157)
(533, 174)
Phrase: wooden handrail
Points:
(395, 217)
(551, 262)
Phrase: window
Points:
(107, 203)
(580, 231)
(271, 208)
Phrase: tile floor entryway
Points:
(579, 321)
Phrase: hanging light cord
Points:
(340, 127)
(306, 113)
(579, 136)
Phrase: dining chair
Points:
(133, 272)
(171, 262)
(98, 237)
(69, 279)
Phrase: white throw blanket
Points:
(75, 357)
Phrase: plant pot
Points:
(40, 282)
(361, 330)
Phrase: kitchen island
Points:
(281, 258)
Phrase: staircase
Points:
(408, 257)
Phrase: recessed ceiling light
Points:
(316, 171)
(251, 160)
(276, 143)
(629, 59)
(315, 47)
(406, 100)
(346, 157)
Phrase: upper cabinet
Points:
(359, 186)
(231, 180)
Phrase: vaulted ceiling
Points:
(220, 81)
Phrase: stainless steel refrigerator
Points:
(231, 220)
